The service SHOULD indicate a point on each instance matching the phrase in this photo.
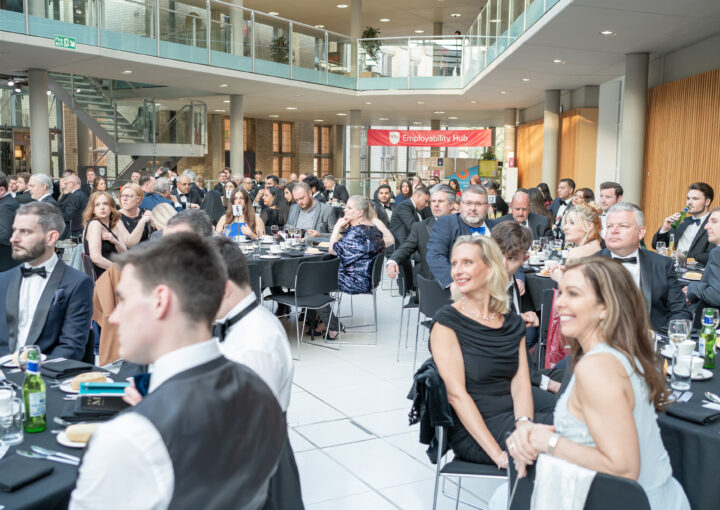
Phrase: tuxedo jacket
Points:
(61, 324)
(555, 206)
(538, 224)
(24, 197)
(700, 247)
(661, 289)
(382, 214)
(416, 242)
(339, 192)
(72, 207)
(50, 200)
(404, 216)
(8, 208)
(707, 291)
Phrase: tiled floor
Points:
(349, 427)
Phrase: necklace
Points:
(476, 315)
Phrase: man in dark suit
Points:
(222, 179)
(442, 200)
(690, 236)
(72, 206)
(8, 206)
(407, 213)
(41, 188)
(538, 225)
(187, 196)
(561, 204)
(654, 274)
(334, 192)
(706, 293)
(497, 205)
(22, 195)
(316, 187)
(44, 302)
(90, 177)
(383, 204)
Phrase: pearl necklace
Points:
(476, 315)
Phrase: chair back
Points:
(431, 296)
(88, 267)
(317, 277)
(405, 279)
(377, 269)
(545, 313)
(255, 280)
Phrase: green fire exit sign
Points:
(64, 42)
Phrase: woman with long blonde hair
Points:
(582, 227)
(479, 348)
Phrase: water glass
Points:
(682, 366)
(715, 314)
(28, 352)
(11, 417)
(543, 242)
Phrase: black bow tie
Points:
(695, 221)
(629, 260)
(220, 329)
(29, 271)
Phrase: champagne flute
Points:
(677, 332)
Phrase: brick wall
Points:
(261, 144)
(303, 142)
(70, 139)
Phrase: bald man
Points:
(539, 225)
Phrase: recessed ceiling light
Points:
(11, 83)
(273, 116)
(342, 6)
(222, 85)
(419, 31)
(226, 101)
(273, 13)
(455, 15)
(127, 71)
(48, 92)
(77, 91)
(498, 20)
(558, 61)
(452, 118)
(219, 110)
(368, 102)
(341, 114)
(420, 102)
(438, 113)
(503, 92)
(291, 107)
(417, 122)
(473, 101)
(319, 26)
(18, 89)
(607, 32)
(384, 20)
(383, 118)
(319, 120)
(526, 79)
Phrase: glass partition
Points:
(383, 64)
(12, 18)
(309, 57)
(517, 25)
(502, 23)
(128, 25)
(272, 46)
(231, 37)
(435, 62)
(67, 18)
(183, 32)
(340, 61)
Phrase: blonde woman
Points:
(479, 349)
(582, 227)
(161, 214)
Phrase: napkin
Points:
(16, 472)
(693, 412)
(64, 369)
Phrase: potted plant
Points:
(280, 49)
(371, 46)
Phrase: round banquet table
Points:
(280, 272)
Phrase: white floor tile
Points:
(410, 444)
(366, 501)
(419, 496)
(305, 408)
(339, 374)
(387, 423)
(298, 442)
(323, 479)
(333, 433)
(379, 464)
(365, 398)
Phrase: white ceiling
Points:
(569, 32)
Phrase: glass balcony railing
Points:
(224, 35)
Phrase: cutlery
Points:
(53, 458)
(3, 449)
(45, 451)
(712, 397)
(54, 360)
(685, 397)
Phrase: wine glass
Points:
(274, 229)
(226, 231)
(535, 246)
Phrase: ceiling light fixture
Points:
(420, 102)
(438, 113)
(291, 107)
(226, 101)
(223, 85)
(383, 118)
(473, 101)
(18, 90)
(11, 83)
(526, 79)
(452, 118)
(273, 116)
(417, 122)
(498, 20)
(419, 31)
(368, 102)
(126, 71)
(319, 120)
(455, 15)
(558, 61)
(384, 20)
(607, 32)
(503, 92)
(48, 92)
(77, 91)
(273, 13)
(219, 110)
(319, 26)
(342, 6)
(341, 114)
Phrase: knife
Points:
(31, 455)
(45, 451)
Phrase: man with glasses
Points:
(249, 186)
(222, 179)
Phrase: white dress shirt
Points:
(417, 211)
(260, 342)
(31, 288)
(43, 197)
(127, 465)
(603, 220)
(691, 231)
(633, 268)
(561, 211)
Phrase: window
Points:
(322, 163)
(226, 134)
(282, 148)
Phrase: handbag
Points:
(556, 345)
(88, 267)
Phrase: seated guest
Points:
(41, 189)
(99, 184)
(276, 209)
(583, 196)
(408, 212)
(707, 291)
(498, 207)
(165, 446)
(442, 199)
(334, 192)
(539, 225)
(22, 195)
(652, 273)
(249, 186)
(222, 179)
(200, 183)
(565, 192)
(229, 188)
(8, 207)
(537, 204)
(613, 431)
(240, 220)
(690, 236)
(72, 206)
(159, 218)
(131, 214)
(316, 187)
(581, 226)
(89, 186)
(160, 193)
(404, 192)
(610, 194)
(288, 193)
(185, 194)
(310, 214)
(357, 249)
(383, 204)
(547, 197)
(455, 185)
(479, 349)
(271, 181)
(384, 182)
(190, 220)
(43, 302)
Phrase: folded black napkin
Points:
(67, 368)
(17, 471)
(695, 413)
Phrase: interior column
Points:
(632, 127)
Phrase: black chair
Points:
(314, 281)
(545, 315)
(255, 280)
(408, 301)
(431, 297)
(376, 278)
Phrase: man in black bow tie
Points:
(44, 302)
(653, 273)
(561, 204)
(690, 235)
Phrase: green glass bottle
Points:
(34, 396)
(677, 222)
(707, 340)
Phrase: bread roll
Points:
(86, 377)
(691, 260)
(80, 433)
(693, 275)
(24, 357)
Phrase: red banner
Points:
(420, 138)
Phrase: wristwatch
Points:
(552, 443)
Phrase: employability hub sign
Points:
(435, 138)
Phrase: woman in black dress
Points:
(479, 349)
(131, 214)
(276, 209)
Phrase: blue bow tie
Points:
(696, 221)
(478, 230)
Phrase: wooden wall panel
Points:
(578, 146)
(529, 153)
(682, 144)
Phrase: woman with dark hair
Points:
(100, 184)
(229, 188)
(287, 193)
(242, 222)
(537, 204)
(455, 185)
(583, 196)
(613, 431)
(404, 192)
(547, 197)
(276, 209)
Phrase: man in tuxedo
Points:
(706, 293)
(538, 225)
(690, 236)
(164, 318)
(8, 207)
(44, 302)
(654, 274)
(383, 204)
(41, 188)
(384, 182)
(90, 177)
(497, 206)
(222, 179)
(610, 194)
(407, 213)
(561, 204)
(187, 196)
(72, 205)
(316, 187)
(22, 195)
(309, 214)
(334, 192)
(442, 199)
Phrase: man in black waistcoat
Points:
(209, 432)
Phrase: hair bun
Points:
(595, 207)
